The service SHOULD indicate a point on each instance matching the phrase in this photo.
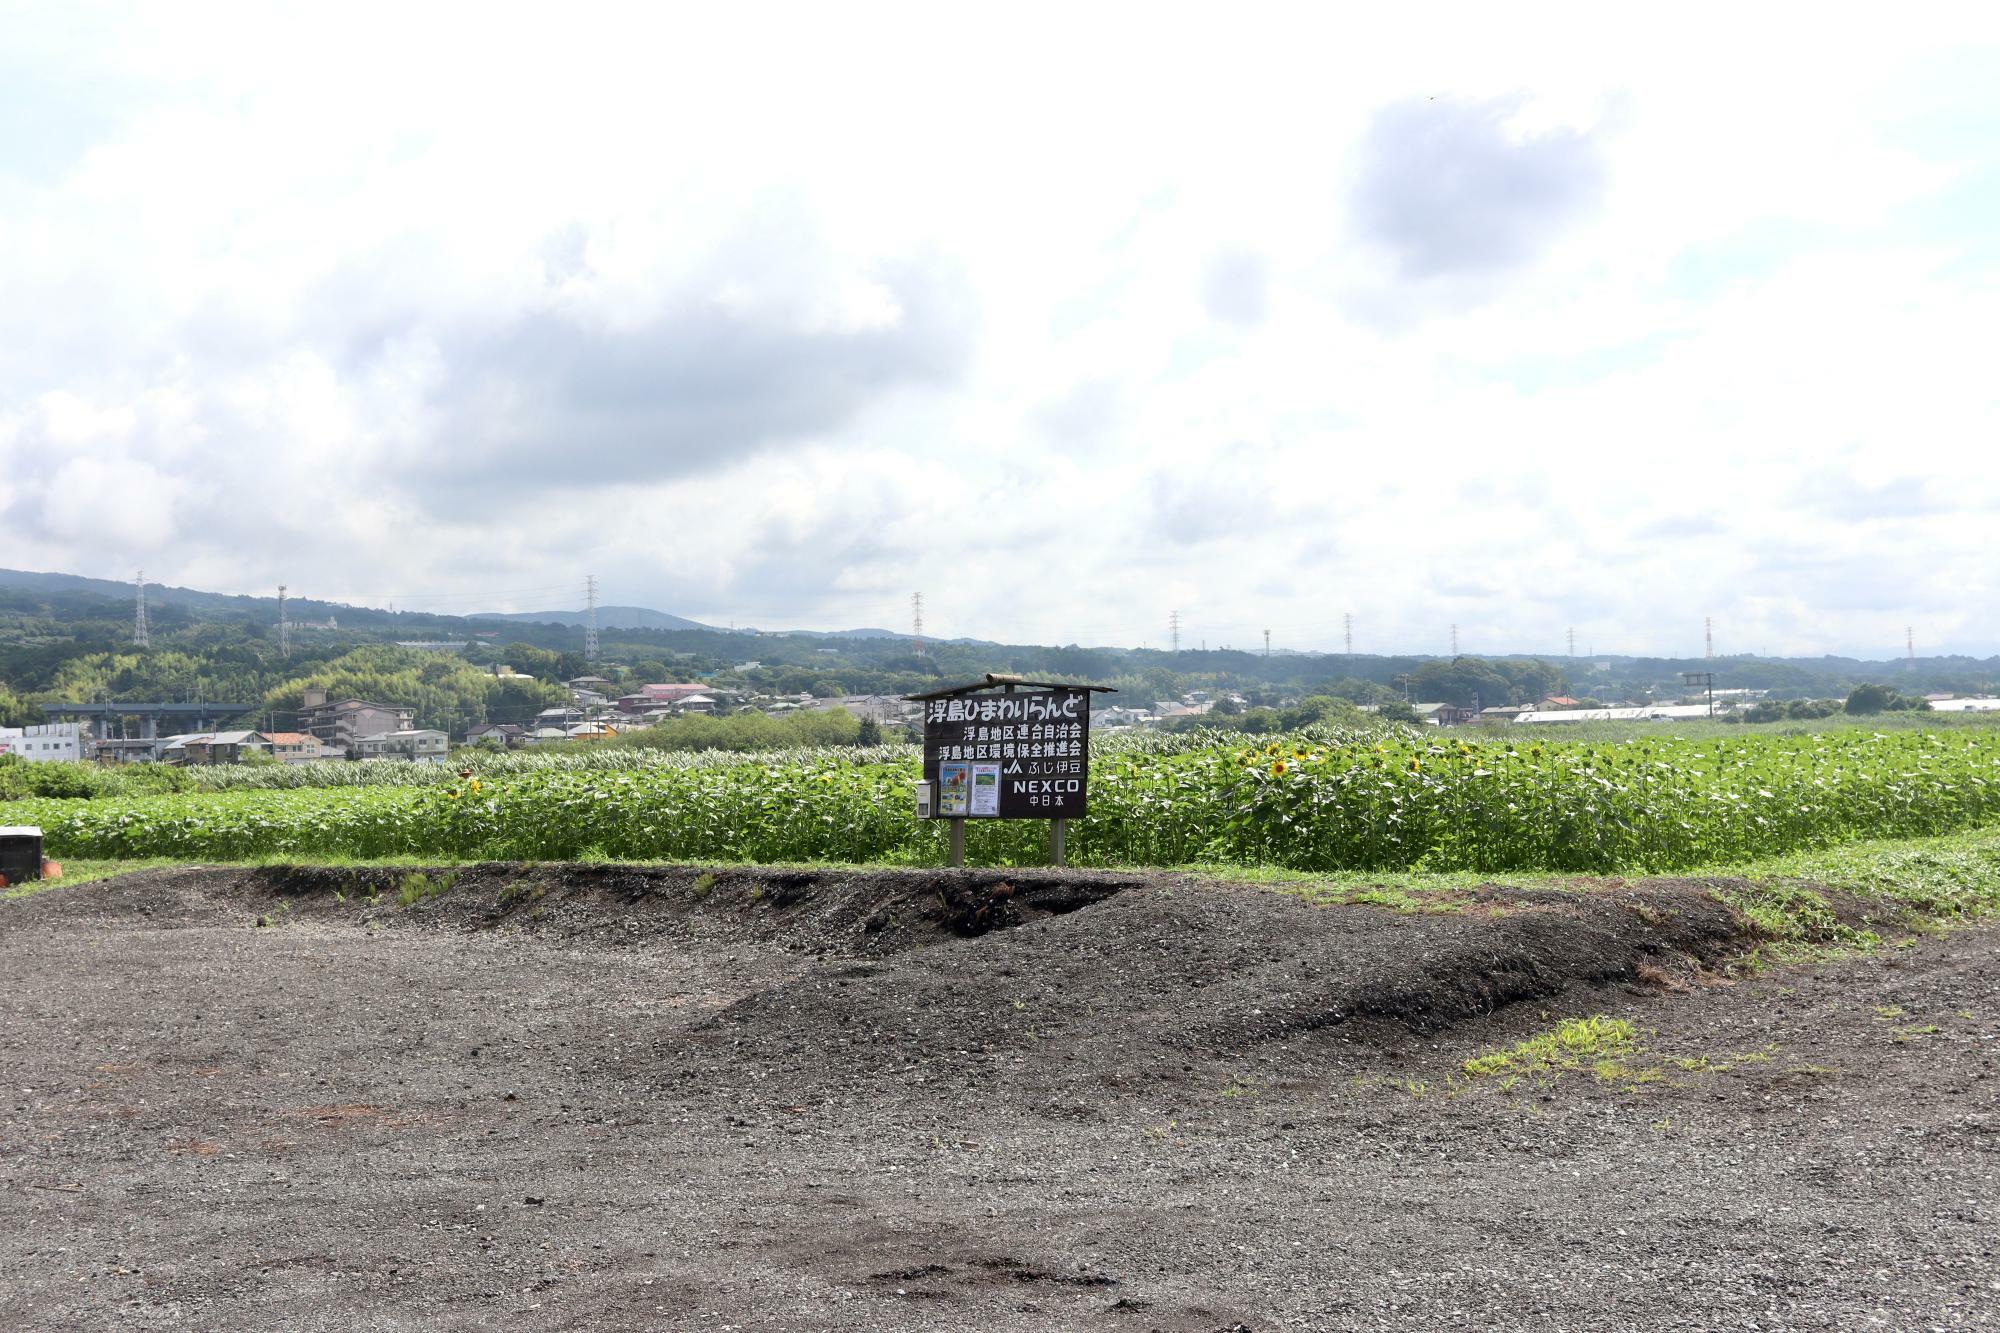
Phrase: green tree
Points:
(1864, 700)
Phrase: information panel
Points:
(1024, 755)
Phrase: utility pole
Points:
(1174, 630)
(284, 626)
(1267, 643)
(1706, 680)
(1347, 622)
(140, 638)
(590, 622)
(1708, 636)
(917, 620)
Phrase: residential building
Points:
(506, 733)
(220, 747)
(293, 747)
(50, 742)
(420, 746)
(338, 725)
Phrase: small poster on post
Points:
(986, 791)
(954, 790)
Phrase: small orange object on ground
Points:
(51, 870)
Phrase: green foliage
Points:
(1571, 1044)
(1869, 699)
(1327, 799)
(418, 885)
(744, 732)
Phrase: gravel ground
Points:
(614, 1099)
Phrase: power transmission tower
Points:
(1454, 641)
(140, 639)
(284, 626)
(1267, 643)
(917, 620)
(1174, 630)
(1347, 623)
(1708, 636)
(1910, 643)
(590, 618)
(1572, 641)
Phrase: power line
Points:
(140, 638)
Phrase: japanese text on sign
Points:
(1026, 755)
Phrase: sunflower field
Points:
(1317, 801)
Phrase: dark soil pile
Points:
(616, 1097)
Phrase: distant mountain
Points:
(608, 617)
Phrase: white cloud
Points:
(1450, 321)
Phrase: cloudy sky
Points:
(1070, 317)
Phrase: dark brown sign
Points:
(1024, 755)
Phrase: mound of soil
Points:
(619, 1097)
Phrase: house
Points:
(506, 733)
(1558, 701)
(1442, 715)
(597, 685)
(590, 731)
(543, 735)
(419, 746)
(221, 747)
(338, 725)
(1115, 715)
(1504, 712)
(558, 717)
(48, 743)
(292, 747)
(126, 750)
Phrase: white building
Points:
(51, 743)
(1965, 705)
(420, 745)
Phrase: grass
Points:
(1610, 1050)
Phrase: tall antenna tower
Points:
(140, 639)
(1572, 641)
(917, 620)
(1174, 630)
(1267, 643)
(284, 625)
(1454, 641)
(1708, 636)
(1347, 623)
(590, 617)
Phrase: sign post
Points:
(1008, 748)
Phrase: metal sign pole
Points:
(957, 843)
(1057, 828)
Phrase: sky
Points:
(1068, 317)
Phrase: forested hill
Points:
(68, 638)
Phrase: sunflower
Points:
(1278, 769)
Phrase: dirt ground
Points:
(604, 1098)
